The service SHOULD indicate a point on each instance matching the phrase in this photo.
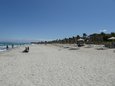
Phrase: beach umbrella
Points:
(111, 38)
(112, 44)
(80, 39)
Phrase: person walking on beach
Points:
(12, 46)
(7, 47)
(28, 48)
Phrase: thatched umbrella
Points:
(112, 44)
(111, 38)
(80, 39)
(80, 42)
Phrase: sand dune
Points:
(48, 65)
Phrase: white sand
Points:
(47, 65)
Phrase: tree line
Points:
(95, 38)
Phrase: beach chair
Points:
(114, 51)
(88, 46)
(74, 48)
(101, 47)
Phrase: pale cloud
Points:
(104, 30)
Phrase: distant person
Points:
(7, 47)
(28, 48)
(12, 46)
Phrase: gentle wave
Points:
(9, 44)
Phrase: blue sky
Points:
(53, 19)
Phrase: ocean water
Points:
(9, 44)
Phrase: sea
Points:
(3, 45)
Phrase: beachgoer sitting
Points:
(26, 50)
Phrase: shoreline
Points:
(14, 47)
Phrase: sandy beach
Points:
(49, 65)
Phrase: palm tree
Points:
(113, 34)
(78, 37)
(84, 35)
